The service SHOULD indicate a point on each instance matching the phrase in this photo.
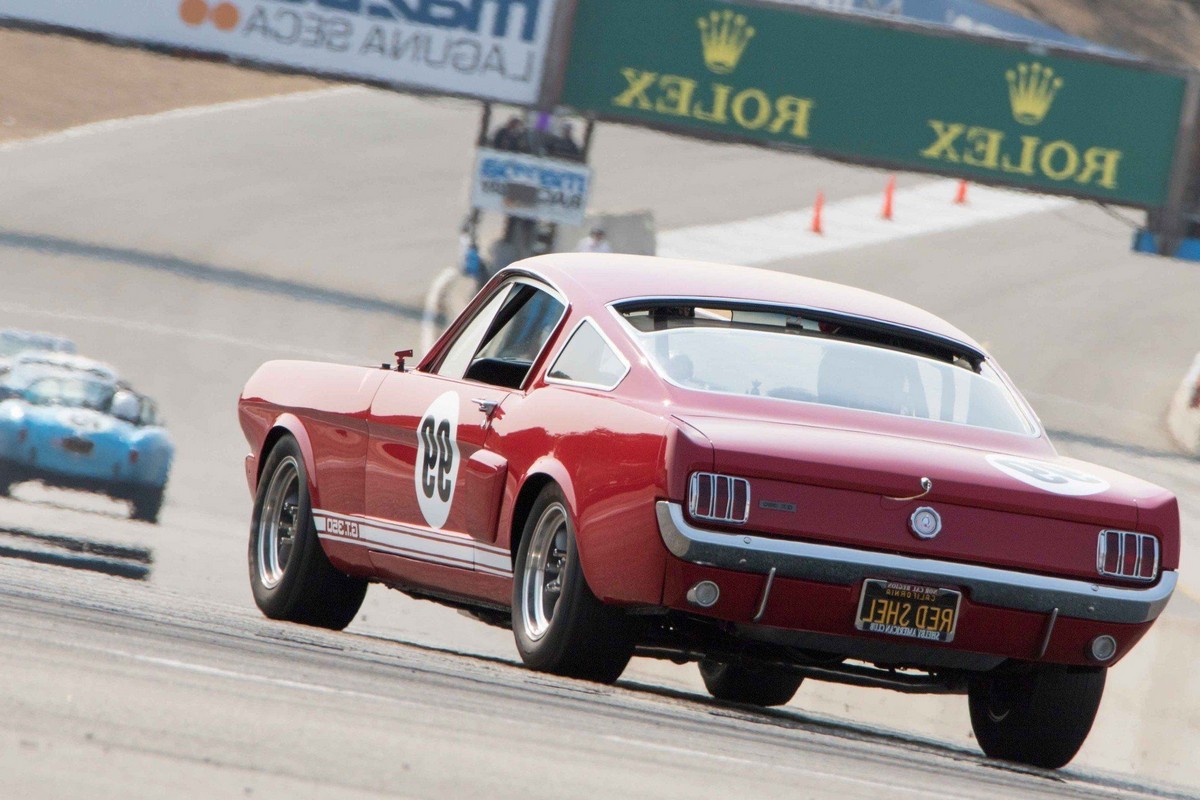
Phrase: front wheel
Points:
(755, 685)
(289, 574)
(1040, 717)
(559, 625)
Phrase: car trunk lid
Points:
(861, 488)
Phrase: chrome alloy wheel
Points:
(277, 522)
(545, 568)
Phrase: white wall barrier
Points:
(492, 49)
(1183, 418)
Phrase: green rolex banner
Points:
(873, 93)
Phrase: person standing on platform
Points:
(594, 242)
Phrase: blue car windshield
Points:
(70, 391)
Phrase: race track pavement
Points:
(155, 693)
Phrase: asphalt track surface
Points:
(190, 248)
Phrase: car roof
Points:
(598, 279)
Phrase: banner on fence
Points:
(490, 49)
(879, 94)
(531, 187)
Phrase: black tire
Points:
(7, 478)
(293, 580)
(739, 683)
(1039, 718)
(575, 635)
(146, 504)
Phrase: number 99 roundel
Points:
(436, 469)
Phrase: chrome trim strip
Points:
(1020, 591)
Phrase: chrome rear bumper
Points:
(1020, 591)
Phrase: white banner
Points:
(520, 185)
(492, 49)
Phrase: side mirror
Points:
(400, 356)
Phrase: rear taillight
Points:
(1132, 556)
(719, 498)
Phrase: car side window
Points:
(458, 357)
(589, 360)
(517, 335)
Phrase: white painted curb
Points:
(1183, 421)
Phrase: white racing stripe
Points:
(922, 210)
(414, 541)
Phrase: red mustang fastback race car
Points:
(775, 476)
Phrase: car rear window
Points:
(810, 357)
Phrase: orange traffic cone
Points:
(818, 207)
(960, 197)
(889, 196)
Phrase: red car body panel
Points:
(616, 454)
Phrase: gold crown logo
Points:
(1031, 90)
(724, 36)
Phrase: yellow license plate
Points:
(909, 610)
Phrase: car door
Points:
(430, 478)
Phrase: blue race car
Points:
(79, 430)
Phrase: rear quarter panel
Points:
(607, 455)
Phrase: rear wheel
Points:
(559, 625)
(146, 503)
(759, 686)
(289, 574)
(1040, 718)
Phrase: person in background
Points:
(473, 265)
(513, 136)
(563, 144)
(470, 261)
(594, 242)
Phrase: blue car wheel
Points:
(147, 503)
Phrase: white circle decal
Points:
(1048, 477)
(436, 469)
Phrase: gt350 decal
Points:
(436, 469)
(411, 541)
(1048, 477)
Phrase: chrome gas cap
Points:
(925, 523)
